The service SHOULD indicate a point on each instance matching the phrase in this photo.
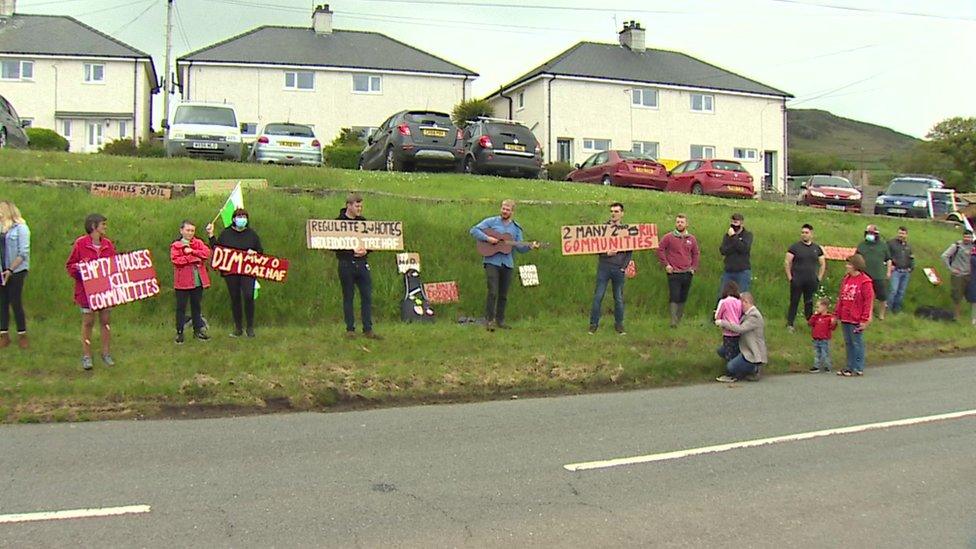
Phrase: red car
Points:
(621, 169)
(709, 176)
(830, 192)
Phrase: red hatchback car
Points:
(714, 177)
(621, 169)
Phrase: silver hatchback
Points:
(287, 143)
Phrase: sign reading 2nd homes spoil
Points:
(599, 239)
(120, 279)
(351, 234)
(131, 190)
(239, 262)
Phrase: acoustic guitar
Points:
(504, 245)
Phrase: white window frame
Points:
(743, 153)
(637, 96)
(374, 83)
(98, 137)
(295, 81)
(20, 70)
(707, 152)
(66, 128)
(643, 147)
(89, 73)
(123, 129)
(589, 144)
(705, 98)
(247, 126)
(521, 100)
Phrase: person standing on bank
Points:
(805, 265)
(877, 258)
(736, 248)
(498, 267)
(957, 259)
(93, 245)
(239, 236)
(354, 273)
(678, 253)
(189, 256)
(902, 264)
(854, 311)
(752, 342)
(610, 268)
(14, 264)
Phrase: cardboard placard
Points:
(239, 262)
(932, 275)
(120, 279)
(529, 275)
(349, 234)
(439, 293)
(131, 190)
(223, 187)
(599, 239)
(838, 253)
(407, 261)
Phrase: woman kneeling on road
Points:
(189, 256)
(752, 342)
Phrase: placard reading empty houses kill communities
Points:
(599, 239)
(120, 279)
(350, 234)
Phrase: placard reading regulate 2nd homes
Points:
(350, 234)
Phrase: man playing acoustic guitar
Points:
(498, 236)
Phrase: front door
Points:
(769, 170)
(95, 137)
(564, 150)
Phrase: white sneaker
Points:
(726, 379)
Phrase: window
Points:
(94, 134)
(702, 151)
(745, 154)
(564, 150)
(363, 132)
(303, 80)
(521, 100)
(66, 128)
(16, 70)
(646, 148)
(367, 83)
(122, 129)
(702, 103)
(94, 73)
(596, 144)
(644, 97)
(250, 128)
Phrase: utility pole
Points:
(167, 85)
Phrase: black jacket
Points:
(239, 240)
(736, 250)
(902, 255)
(347, 255)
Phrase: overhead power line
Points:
(874, 11)
(149, 6)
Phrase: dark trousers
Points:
(678, 286)
(805, 286)
(241, 289)
(11, 298)
(194, 297)
(352, 275)
(499, 279)
(729, 348)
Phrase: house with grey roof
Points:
(317, 75)
(595, 97)
(61, 74)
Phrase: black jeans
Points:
(499, 279)
(241, 289)
(805, 286)
(11, 298)
(355, 274)
(194, 297)
(679, 284)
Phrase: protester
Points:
(751, 329)
(678, 253)
(902, 264)
(822, 326)
(957, 258)
(239, 236)
(736, 248)
(805, 265)
(730, 309)
(92, 245)
(189, 256)
(14, 264)
(877, 258)
(610, 268)
(854, 312)
(354, 273)
(498, 266)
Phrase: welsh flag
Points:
(234, 201)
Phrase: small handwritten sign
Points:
(529, 275)
(439, 293)
(239, 262)
(120, 279)
(351, 234)
(932, 275)
(407, 261)
(838, 253)
(131, 190)
(598, 239)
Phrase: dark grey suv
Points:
(12, 132)
(502, 147)
(409, 139)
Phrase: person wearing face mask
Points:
(736, 248)
(189, 257)
(877, 258)
(241, 288)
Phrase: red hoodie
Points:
(82, 251)
(823, 325)
(855, 299)
(679, 251)
(184, 264)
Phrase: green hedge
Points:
(343, 156)
(559, 170)
(43, 139)
(128, 147)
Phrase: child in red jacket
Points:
(822, 325)
(92, 245)
(189, 256)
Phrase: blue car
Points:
(908, 196)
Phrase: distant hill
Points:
(813, 131)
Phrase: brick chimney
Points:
(7, 8)
(632, 37)
(321, 19)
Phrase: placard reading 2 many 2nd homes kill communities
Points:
(350, 234)
(599, 239)
(120, 279)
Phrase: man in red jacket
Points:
(854, 313)
(93, 245)
(678, 253)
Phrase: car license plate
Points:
(897, 210)
(434, 133)
(836, 207)
(289, 143)
(642, 169)
(514, 147)
(198, 145)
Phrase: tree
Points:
(469, 110)
(956, 139)
(347, 137)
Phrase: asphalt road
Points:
(492, 474)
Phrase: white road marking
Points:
(74, 513)
(605, 464)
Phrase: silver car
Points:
(11, 127)
(286, 143)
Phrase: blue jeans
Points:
(604, 275)
(355, 275)
(742, 278)
(821, 354)
(739, 367)
(899, 283)
(854, 343)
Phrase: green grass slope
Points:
(814, 131)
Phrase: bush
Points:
(43, 139)
(342, 156)
(128, 147)
(469, 110)
(347, 137)
(559, 170)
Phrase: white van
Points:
(204, 130)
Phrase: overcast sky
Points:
(900, 63)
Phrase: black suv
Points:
(12, 132)
(412, 138)
(500, 147)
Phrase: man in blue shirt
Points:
(498, 266)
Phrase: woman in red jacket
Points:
(93, 245)
(854, 313)
(189, 256)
